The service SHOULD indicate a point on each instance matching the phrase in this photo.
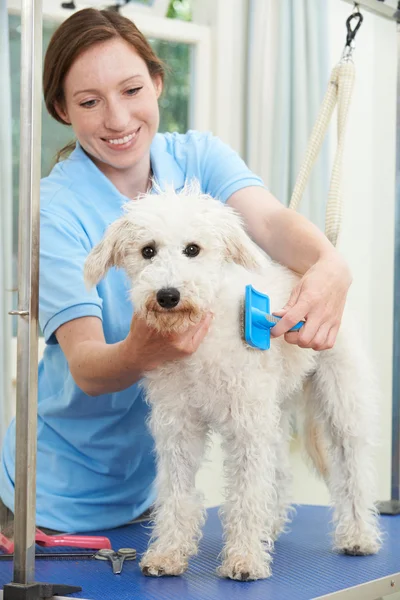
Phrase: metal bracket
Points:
(389, 507)
(37, 591)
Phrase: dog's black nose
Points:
(168, 297)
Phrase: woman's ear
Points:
(62, 113)
(158, 85)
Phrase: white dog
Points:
(187, 254)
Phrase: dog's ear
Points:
(239, 247)
(109, 252)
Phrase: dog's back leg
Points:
(179, 513)
(345, 406)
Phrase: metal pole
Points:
(5, 223)
(392, 507)
(396, 316)
(28, 287)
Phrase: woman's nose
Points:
(117, 116)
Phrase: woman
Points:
(95, 465)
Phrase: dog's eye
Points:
(191, 250)
(148, 252)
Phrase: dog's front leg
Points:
(179, 512)
(249, 513)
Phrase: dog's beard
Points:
(172, 320)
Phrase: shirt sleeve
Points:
(62, 292)
(224, 172)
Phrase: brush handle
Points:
(296, 327)
(267, 321)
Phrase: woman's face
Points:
(111, 103)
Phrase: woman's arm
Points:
(292, 240)
(101, 368)
(96, 367)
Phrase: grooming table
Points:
(304, 567)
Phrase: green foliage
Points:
(180, 9)
(174, 101)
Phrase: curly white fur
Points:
(244, 394)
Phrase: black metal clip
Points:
(116, 7)
(351, 33)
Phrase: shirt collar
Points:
(166, 171)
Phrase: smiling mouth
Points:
(122, 141)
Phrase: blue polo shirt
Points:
(95, 462)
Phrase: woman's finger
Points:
(291, 318)
(310, 330)
(331, 339)
(320, 339)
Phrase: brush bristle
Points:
(242, 320)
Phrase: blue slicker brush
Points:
(258, 321)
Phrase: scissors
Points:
(116, 557)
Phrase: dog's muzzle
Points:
(168, 297)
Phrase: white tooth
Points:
(123, 140)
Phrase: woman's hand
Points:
(101, 368)
(150, 349)
(291, 240)
(319, 299)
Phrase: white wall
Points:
(368, 230)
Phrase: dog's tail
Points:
(313, 435)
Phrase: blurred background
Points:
(254, 72)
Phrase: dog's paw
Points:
(160, 565)
(360, 543)
(245, 568)
(358, 551)
(361, 548)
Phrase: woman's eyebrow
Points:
(93, 90)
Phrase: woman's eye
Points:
(89, 104)
(191, 250)
(133, 91)
(148, 252)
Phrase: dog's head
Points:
(173, 247)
